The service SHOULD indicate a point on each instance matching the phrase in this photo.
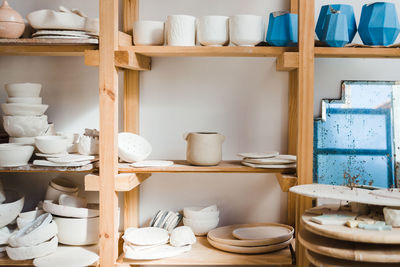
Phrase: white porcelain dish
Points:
(51, 144)
(198, 213)
(22, 140)
(148, 32)
(20, 109)
(27, 253)
(132, 147)
(259, 155)
(77, 231)
(147, 236)
(71, 212)
(182, 236)
(23, 89)
(82, 256)
(201, 227)
(25, 126)
(14, 155)
(213, 30)
(246, 30)
(10, 209)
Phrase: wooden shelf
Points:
(46, 47)
(6, 261)
(182, 166)
(203, 253)
(356, 52)
(32, 168)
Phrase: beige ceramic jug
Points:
(204, 148)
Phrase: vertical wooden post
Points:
(108, 91)
(305, 111)
(131, 112)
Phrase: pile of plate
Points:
(268, 160)
(251, 238)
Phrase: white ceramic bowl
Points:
(14, 155)
(22, 140)
(51, 144)
(25, 126)
(59, 186)
(71, 212)
(213, 30)
(20, 109)
(25, 100)
(10, 209)
(181, 30)
(148, 32)
(133, 147)
(23, 89)
(196, 213)
(246, 30)
(76, 231)
(201, 227)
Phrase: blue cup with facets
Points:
(335, 32)
(282, 29)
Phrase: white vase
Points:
(213, 30)
(246, 30)
(147, 32)
(181, 30)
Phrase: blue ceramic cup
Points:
(282, 29)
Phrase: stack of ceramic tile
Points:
(268, 160)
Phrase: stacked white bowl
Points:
(201, 219)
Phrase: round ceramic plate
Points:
(154, 253)
(82, 256)
(133, 147)
(261, 232)
(269, 161)
(249, 250)
(258, 155)
(275, 166)
(152, 163)
(224, 235)
(146, 236)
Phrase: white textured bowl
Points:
(20, 109)
(25, 126)
(201, 227)
(10, 209)
(14, 155)
(77, 232)
(133, 147)
(148, 32)
(246, 30)
(23, 89)
(22, 140)
(196, 213)
(25, 100)
(51, 144)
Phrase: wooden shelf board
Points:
(32, 168)
(356, 52)
(6, 261)
(207, 51)
(181, 166)
(203, 253)
(45, 47)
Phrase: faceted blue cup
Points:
(335, 31)
(343, 9)
(282, 29)
(379, 24)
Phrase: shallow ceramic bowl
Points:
(22, 140)
(25, 100)
(59, 186)
(51, 144)
(71, 212)
(201, 227)
(23, 89)
(133, 147)
(25, 126)
(13, 155)
(196, 213)
(20, 109)
(77, 231)
(10, 209)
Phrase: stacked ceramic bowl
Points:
(201, 219)
(268, 160)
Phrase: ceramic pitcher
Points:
(204, 148)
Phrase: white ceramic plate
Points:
(152, 163)
(269, 161)
(82, 256)
(27, 253)
(71, 158)
(51, 155)
(66, 211)
(261, 232)
(154, 253)
(258, 155)
(275, 166)
(146, 236)
(47, 163)
(132, 147)
(20, 109)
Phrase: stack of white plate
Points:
(268, 160)
(65, 34)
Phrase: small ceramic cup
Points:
(213, 30)
(181, 30)
(59, 186)
(246, 30)
(148, 32)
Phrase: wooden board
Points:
(203, 253)
(356, 52)
(360, 252)
(33, 168)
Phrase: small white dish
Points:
(25, 100)
(71, 212)
(14, 155)
(25, 126)
(82, 256)
(78, 231)
(72, 201)
(201, 227)
(28, 253)
(20, 109)
(148, 32)
(23, 89)
(259, 155)
(152, 163)
(51, 144)
(133, 147)
(146, 236)
(275, 166)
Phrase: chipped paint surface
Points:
(354, 138)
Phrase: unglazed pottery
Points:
(82, 256)
(246, 30)
(213, 30)
(21, 109)
(51, 144)
(259, 155)
(25, 100)
(152, 163)
(71, 158)
(88, 145)
(204, 148)
(23, 89)
(71, 212)
(132, 147)
(25, 218)
(14, 155)
(22, 140)
(25, 126)
(47, 163)
(201, 213)
(39, 231)
(27, 253)
(5, 233)
(270, 166)
(148, 32)
(181, 30)
(12, 24)
(262, 232)
(201, 227)
(146, 236)
(59, 186)
(154, 253)
(392, 216)
(72, 201)
(182, 236)
(77, 231)
(10, 209)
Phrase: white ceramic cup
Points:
(213, 30)
(148, 32)
(246, 30)
(181, 30)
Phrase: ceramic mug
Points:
(181, 30)
(148, 32)
(204, 148)
(213, 30)
(246, 30)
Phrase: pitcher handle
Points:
(185, 136)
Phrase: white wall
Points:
(245, 99)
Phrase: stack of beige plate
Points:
(268, 160)
(251, 238)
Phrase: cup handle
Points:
(185, 136)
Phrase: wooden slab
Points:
(32, 168)
(360, 252)
(338, 192)
(45, 41)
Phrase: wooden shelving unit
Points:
(356, 52)
(32, 168)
